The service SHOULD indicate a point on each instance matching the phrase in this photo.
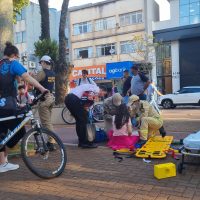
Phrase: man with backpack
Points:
(139, 83)
(85, 79)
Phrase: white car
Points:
(185, 96)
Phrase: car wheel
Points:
(167, 104)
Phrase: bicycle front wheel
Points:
(44, 160)
(98, 113)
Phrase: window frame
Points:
(80, 28)
(127, 43)
(127, 18)
(103, 47)
(104, 23)
(77, 50)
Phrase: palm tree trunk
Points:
(45, 26)
(63, 69)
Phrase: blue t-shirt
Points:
(17, 69)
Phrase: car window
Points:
(189, 90)
(194, 90)
(184, 91)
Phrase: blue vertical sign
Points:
(115, 70)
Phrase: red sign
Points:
(96, 72)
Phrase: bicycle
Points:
(96, 113)
(37, 156)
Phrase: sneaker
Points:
(8, 167)
(88, 146)
(51, 146)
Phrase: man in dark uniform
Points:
(46, 78)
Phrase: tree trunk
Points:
(45, 26)
(63, 69)
(6, 23)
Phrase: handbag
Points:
(8, 106)
(90, 132)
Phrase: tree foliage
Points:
(47, 47)
(17, 7)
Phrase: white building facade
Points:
(178, 58)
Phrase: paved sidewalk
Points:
(95, 175)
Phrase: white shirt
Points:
(79, 90)
(85, 81)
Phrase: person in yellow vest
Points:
(148, 119)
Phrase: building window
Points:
(189, 12)
(24, 36)
(131, 18)
(83, 53)
(20, 37)
(104, 24)
(81, 28)
(106, 50)
(126, 47)
(21, 16)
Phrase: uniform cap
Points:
(132, 99)
(46, 59)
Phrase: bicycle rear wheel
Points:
(98, 113)
(67, 116)
(39, 158)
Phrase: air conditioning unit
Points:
(31, 65)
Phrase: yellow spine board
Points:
(156, 147)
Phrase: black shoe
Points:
(89, 146)
(162, 132)
(51, 146)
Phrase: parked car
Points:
(185, 96)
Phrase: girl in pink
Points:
(121, 136)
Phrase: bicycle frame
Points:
(9, 135)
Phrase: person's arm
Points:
(92, 82)
(40, 76)
(26, 77)
(158, 92)
(146, 85)
(129, 127)
(145, 80)
(29, 98)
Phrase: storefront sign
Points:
(95, 72)
(115, 70)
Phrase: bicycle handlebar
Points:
(39, 97)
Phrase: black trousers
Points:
(73, 103)
(11, 125)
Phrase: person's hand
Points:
(44, 90)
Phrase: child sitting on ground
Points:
(121, 136)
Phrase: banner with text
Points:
(97, 72)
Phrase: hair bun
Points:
(8, 44)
